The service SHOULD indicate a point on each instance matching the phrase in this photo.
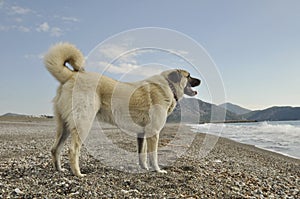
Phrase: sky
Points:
(254, 45)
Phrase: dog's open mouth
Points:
(192, 82)
(189, 91)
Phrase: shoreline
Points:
(272, 152)
(230, 169)
(263, 147)
(44, 121)
(278, 152)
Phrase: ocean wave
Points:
(283, 137)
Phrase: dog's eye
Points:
(189, 75)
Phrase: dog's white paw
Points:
(62, 170)
(161, 171)
(80, 175)
(144, 166)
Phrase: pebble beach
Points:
(228, 170)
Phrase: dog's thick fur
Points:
(140, 107)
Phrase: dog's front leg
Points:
(152, 143)
(142, 150)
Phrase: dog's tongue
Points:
(189, 91)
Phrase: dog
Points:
(140, 107)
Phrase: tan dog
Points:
(140, 107)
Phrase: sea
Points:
(277, 136)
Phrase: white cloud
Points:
(1, 3)
(34, 56)
(115, 59)
(129, 62)
(18, 19)
(118, 69)
(131, 69)
(56, 32)
(4, 28)
(44, 27)
(112, 51)
(70, 19)
(19, 10)
(14, 27)
(23, 29)
(67, 19)
(119, 53)
(15, 15)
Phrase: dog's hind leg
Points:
(142, 150)
(62, 134)
(79, 129)
(75, 146)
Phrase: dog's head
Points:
(182, 82)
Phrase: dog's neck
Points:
(173, 90)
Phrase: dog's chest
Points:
(172, 107)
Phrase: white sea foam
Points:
(282, 137)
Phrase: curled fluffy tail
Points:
(60, 54)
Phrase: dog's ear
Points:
(175, 76)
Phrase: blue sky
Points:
(255, 44)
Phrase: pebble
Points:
(218, 161)
(75, 193)
(230, 170)
(18, 191)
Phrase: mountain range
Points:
(274, 114)
(235, 108)
(197, 111)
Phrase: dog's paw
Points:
(80, 175)
(161, 171)
(62, 170)
(144, 166)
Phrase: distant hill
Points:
(193, 110)
(13, 115)
(274, 114)
(16, 115)
(235, 108)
